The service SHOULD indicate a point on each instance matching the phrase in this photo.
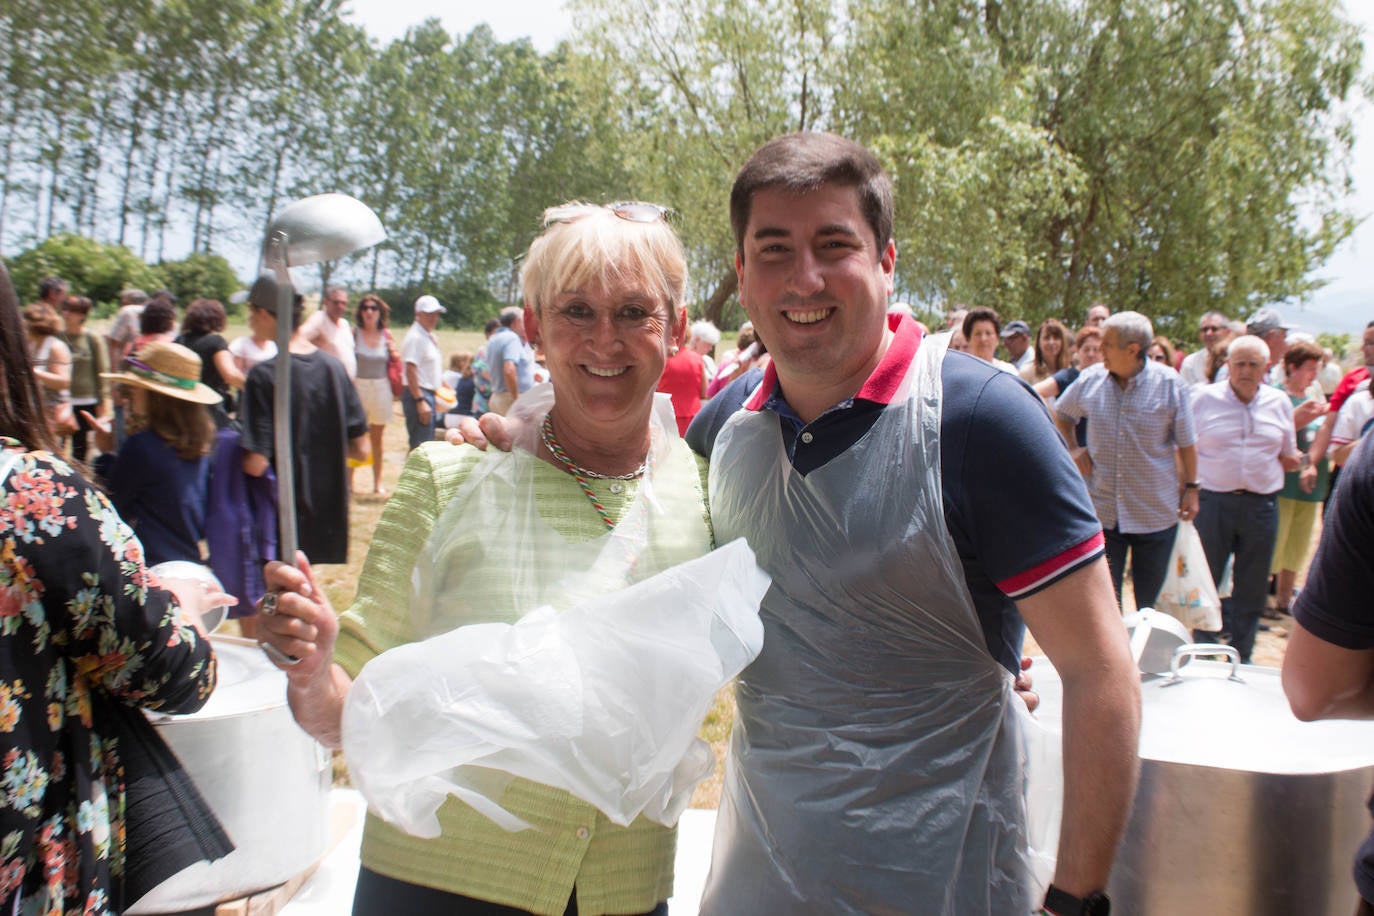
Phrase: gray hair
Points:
(1248, 342)
(1214, 313)
(510, 315)
(1130, 328)
(706, 332)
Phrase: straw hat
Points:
(169, 369)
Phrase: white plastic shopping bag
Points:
(1189, 593)
(603, 700)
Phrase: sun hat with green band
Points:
(166, 368)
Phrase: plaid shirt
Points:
(1133, 433)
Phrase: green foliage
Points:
(207, 276)
(1338, 344)
(468, 304)
(90, 268)
(1165, 156)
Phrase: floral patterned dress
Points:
(83, 626)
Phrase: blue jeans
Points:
(1150, 552)
(1242, 526)
(418, 432)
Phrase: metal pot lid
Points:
(1208, 719)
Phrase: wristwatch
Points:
(1191, 485)
(1062, 903)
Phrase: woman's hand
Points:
(103, 427)
(1308, 411)
(1023, 685)
(297, 622)
(492, 429)
(196, 597)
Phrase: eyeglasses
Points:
(1213, 328)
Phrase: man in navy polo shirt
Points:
(908, 503)
(1328, 668)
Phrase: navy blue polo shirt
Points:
(1014, 502)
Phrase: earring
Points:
(672, 351)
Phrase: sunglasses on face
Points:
(369, 308)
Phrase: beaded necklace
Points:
(580, 474)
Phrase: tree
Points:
(198, 275)
(90, 268)
(1171, 157)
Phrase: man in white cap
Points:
(424, 366)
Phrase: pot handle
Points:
(1202, 648)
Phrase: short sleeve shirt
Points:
(1001, 463)
(334, 338)
(422, 349)
(504, 347)
(1354, 415)
(1133, 432)
(1334, 604)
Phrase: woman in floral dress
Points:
(83, 627)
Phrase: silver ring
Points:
(267, 604)
(277, 655)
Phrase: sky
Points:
(1346, 303)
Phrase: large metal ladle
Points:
(307, 231)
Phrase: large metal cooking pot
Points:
(266, 780)
(1241, 807)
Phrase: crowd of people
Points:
(1243, 436)
(884, 480)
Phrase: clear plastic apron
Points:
(493, 555)
(876, 763)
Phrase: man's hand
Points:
(1083, 460)
(1023, 686)
(103, 429)
(1187, 504)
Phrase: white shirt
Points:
(1239, 444)
(249, 353)
(1355, 413)
(1025, 359)
(1194, 368)
(333, 337)
(422, 348)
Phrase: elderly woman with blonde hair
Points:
(598, 469)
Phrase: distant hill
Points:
(1345, 312)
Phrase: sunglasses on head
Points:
(634, 211)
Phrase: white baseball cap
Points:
(428, 304)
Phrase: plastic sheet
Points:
(880, 762)
(603, 700)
